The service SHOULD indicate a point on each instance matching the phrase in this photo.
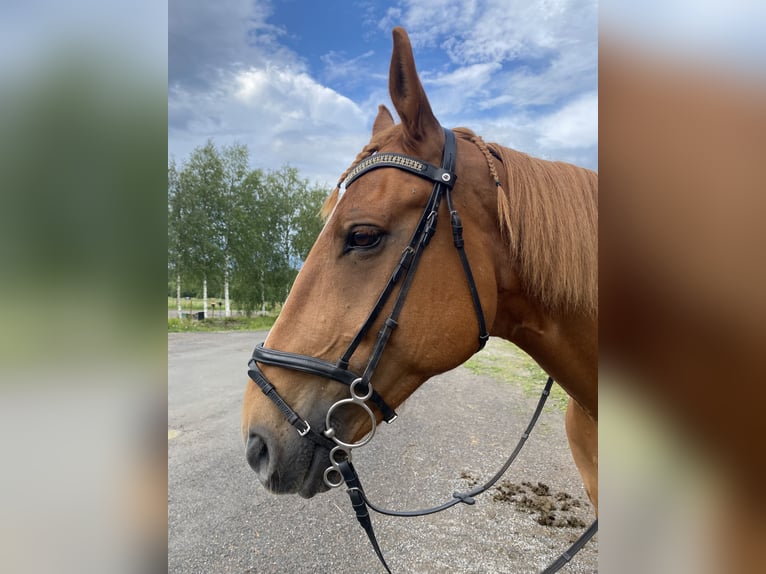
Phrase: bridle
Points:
(360, 386)
(341, 469)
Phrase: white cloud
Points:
(337, 66)
(204, 38)
(282, 115)
(505, 60)
(509, 59)
(573, 126)
(567, 74)
(427, 21)
(467, 77)
(289, 96)
(493, 30)
(567, 134)
(454, 91)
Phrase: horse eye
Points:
(363, 239)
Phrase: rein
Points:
(341, 469)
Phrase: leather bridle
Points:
(341, 469)
(403, 274)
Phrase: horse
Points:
(525, 270)
(683, 316)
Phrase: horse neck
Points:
(563, 343)
(566, 347)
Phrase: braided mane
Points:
(548, 215)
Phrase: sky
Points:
(299, 82)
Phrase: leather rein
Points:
(341, 469)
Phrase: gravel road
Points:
(220, 519)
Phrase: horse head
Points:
(336, 302)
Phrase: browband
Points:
(404, 162)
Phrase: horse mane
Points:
(548, 216)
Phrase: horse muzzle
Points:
(294, 467)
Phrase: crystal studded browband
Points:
(417, 167)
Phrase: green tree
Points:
(297, 224)
(237, 188)
(229, 225)
(251, 242)
(199, 207)
(278, 222)
(307, 223)
(174, 271)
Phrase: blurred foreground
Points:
(682, 312)
(82, 345)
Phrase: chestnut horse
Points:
(530, 235)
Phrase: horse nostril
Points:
(258, 455)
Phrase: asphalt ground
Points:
(457, 425)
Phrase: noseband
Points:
(341, 469)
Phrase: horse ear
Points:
(384, 120)
(407, 93)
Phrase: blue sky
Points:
(299, 82)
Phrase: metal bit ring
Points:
(335, 467)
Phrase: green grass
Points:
(504, 361)
(259, 323)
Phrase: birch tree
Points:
(200, 208)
